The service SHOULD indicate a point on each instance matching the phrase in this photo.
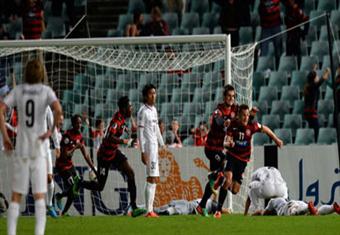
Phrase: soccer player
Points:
(109, 154)
(149, 137)
(214, 149)
(29, 161)
(266, 183)
(71, 140)
(50, 182)
(238, 143)
(282, 207)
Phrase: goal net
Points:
(89, 76)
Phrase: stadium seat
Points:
(335, 17)
(326, 5)
(210, 20)
(190, 21)
(200, 31)
(215, 8)
(258, 81)
(190, 82)
(329, 93)
(112, 95)
(217, 30)
(298, 107)
(219, 66)
(179, 97)
(292, 121)
(201, 95)
(307, 63)
(103, 111)
(135, 96)
(288, 64)
(210, 107)
(280, 107)
(219, 94)
(246, 35)
(169, 81)
(171, 19)
(325, 107)
(163, 94)
(258, 31)
(80, 109)
(124, 82)
(324, 34)
(146, 78)
(185, 123)
(285, 134)
(322, 120)
(189, 141)
(299, 79)
(260, 139)
(67, 124)
(136, 5)
(326, 61)
(319, 49)
(268, 93)
(264, 63)
(124, 20)
(312, 35)
(263, 108)
(290, 94)
(327, 136)
(199, 7)
(272, 121)
(304, 136)
(318, 22)
(191, 109)
(180, 31)
(201, 118)
(309, 6)
(330, 120)
(278, 79)
(56, 26)
(171, 109)
(14, 28)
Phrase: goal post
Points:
(89, 76)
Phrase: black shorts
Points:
(216, 158)
(67, 176)
(237, 167)
(114, 163)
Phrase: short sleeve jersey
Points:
(31, 102)
(147, 118)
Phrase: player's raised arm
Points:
(271, 134)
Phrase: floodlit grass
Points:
(186, 225)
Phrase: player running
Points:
(110, 155)
(266, 183)
(71, 140)
(282, 207)
(149, 137)
(238, 143)
(29, 161)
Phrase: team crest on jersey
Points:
(248, 132)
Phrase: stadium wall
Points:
(312, 173)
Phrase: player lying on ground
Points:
(281, 206)
(71, 140)
(266, 183)
(238, 144)
(110, 155)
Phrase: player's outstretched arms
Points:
(7, 141)
(271, 134)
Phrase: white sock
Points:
(326, 209)
(50, 191)
(12, 219)
(150, 190)
(40, 216)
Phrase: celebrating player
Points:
(71, 140)
(238, 143)
(214, 149)
(109, 154)
(149, 137)
(29, 161)
(280, 206)
(266, 183)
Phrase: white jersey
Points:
(147, 121)
(283, 207)
(31, 102)
(55, 134)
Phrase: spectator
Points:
(201, 134)
(311, 96)
(149, 4)
(157, 26)
(230, 18)
(57, 9)
(98, 133)
(3, 33)
(295, 16)
(33, 19)
(270, 21)
(161, 125)
(173, 139)
(245, 20)
(134, 30)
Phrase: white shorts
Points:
(49, 162)
(152, 168)
(26, 169)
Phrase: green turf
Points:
(235, 224)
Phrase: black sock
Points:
(206, 195)
(133, 193)
(221, 198)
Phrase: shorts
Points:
(49, 163)
(152, 168)
(115, 162)
(216, 158)
(67, 176)
(237, 167)
(26, 169)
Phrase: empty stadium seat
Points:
(292, 121)
(171, 19)
(56, 26)
(180, 31)
(290, 94)
(329, 93)
(219, 94)
(325, 107)
(280, 107)
(278, 79)
(246, 35)
(190, 21)
(201, 95)
(285, 134)
(190, 108)
(326, 5)
(136, 5)
(260, 139)
(210, 20)
(179, 96)
(268, 94)
(327, 136)
(171, 109)
(124, 20)
(200, 31)
(199, 7)
(307, 63)
(318, 22)
(298, 107)
(264, 63)
(324, 33)
(319, 49)
(304, 136)
(185, 123)
(263, 108)
(288, 64)
(258, 81)
(272, 121)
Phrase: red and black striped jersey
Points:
(32, 22)
(108, 147)
(69, 139)
(217, 130)
(242, 138)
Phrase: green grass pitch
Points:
(186, 225)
